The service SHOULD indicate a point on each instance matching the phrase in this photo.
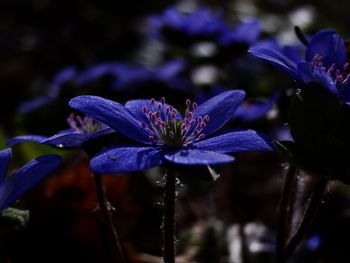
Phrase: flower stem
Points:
(285, 213)
(169, 218)
(308, 217)
(113, 238)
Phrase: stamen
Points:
(86, 125)
(188, 103)
(165, 129)
(144, 109)
(339, 75)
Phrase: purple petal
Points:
(197, 157)
(277, 58)
(71, 139)
(36, 103)
(67, 140)
(245, 32)
(26, 177)
(97, 71)
(330, 46)
(135, 107)
(202, 96)
(102, 132)
(113, 114)
(308, 73)
(170, 70)
(25, 138)
(5, 157)
(236, 141)
(292, 52)
(62, 76)
(126, 158)
(129, 74)
(220, 109)
(251, 111)
(203, 22)
(173, 18)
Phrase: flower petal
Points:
(113, 114)
(5, 157)
(308, 73)
(61, 77)
(253, 110)
(126, 158)
(97, 71)
(25, 138)
(245, 32)
(277, 58)
(21, 180)
(330, 46)
(31, 105)
(170, 69)
(293, 52)
(236, 141)
(197, 157)
(220, 109)
(68, 140)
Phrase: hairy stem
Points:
(113, 238)
(285, 212)
(308, 217)
(169, 218)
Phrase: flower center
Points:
(341, 77)
(86, 125)
(166, 128)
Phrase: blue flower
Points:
(324, 63)
(81, 131)
(19, 181)
(62, 76)
(127, 76)
(248, 111)
(204, 23)
(201, 22)
(161, 134)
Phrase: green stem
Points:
(169, 218)
(113, 238)
(308, 217)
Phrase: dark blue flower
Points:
(201, 22)
(255, 109)
(245, 32)
(81, 131)
(204, 23)
(324, 63)
(19, 181)
(161, 134)
(127, 76)
(53, 91)
(248, 111)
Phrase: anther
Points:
(144, 109)
(194, 106)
